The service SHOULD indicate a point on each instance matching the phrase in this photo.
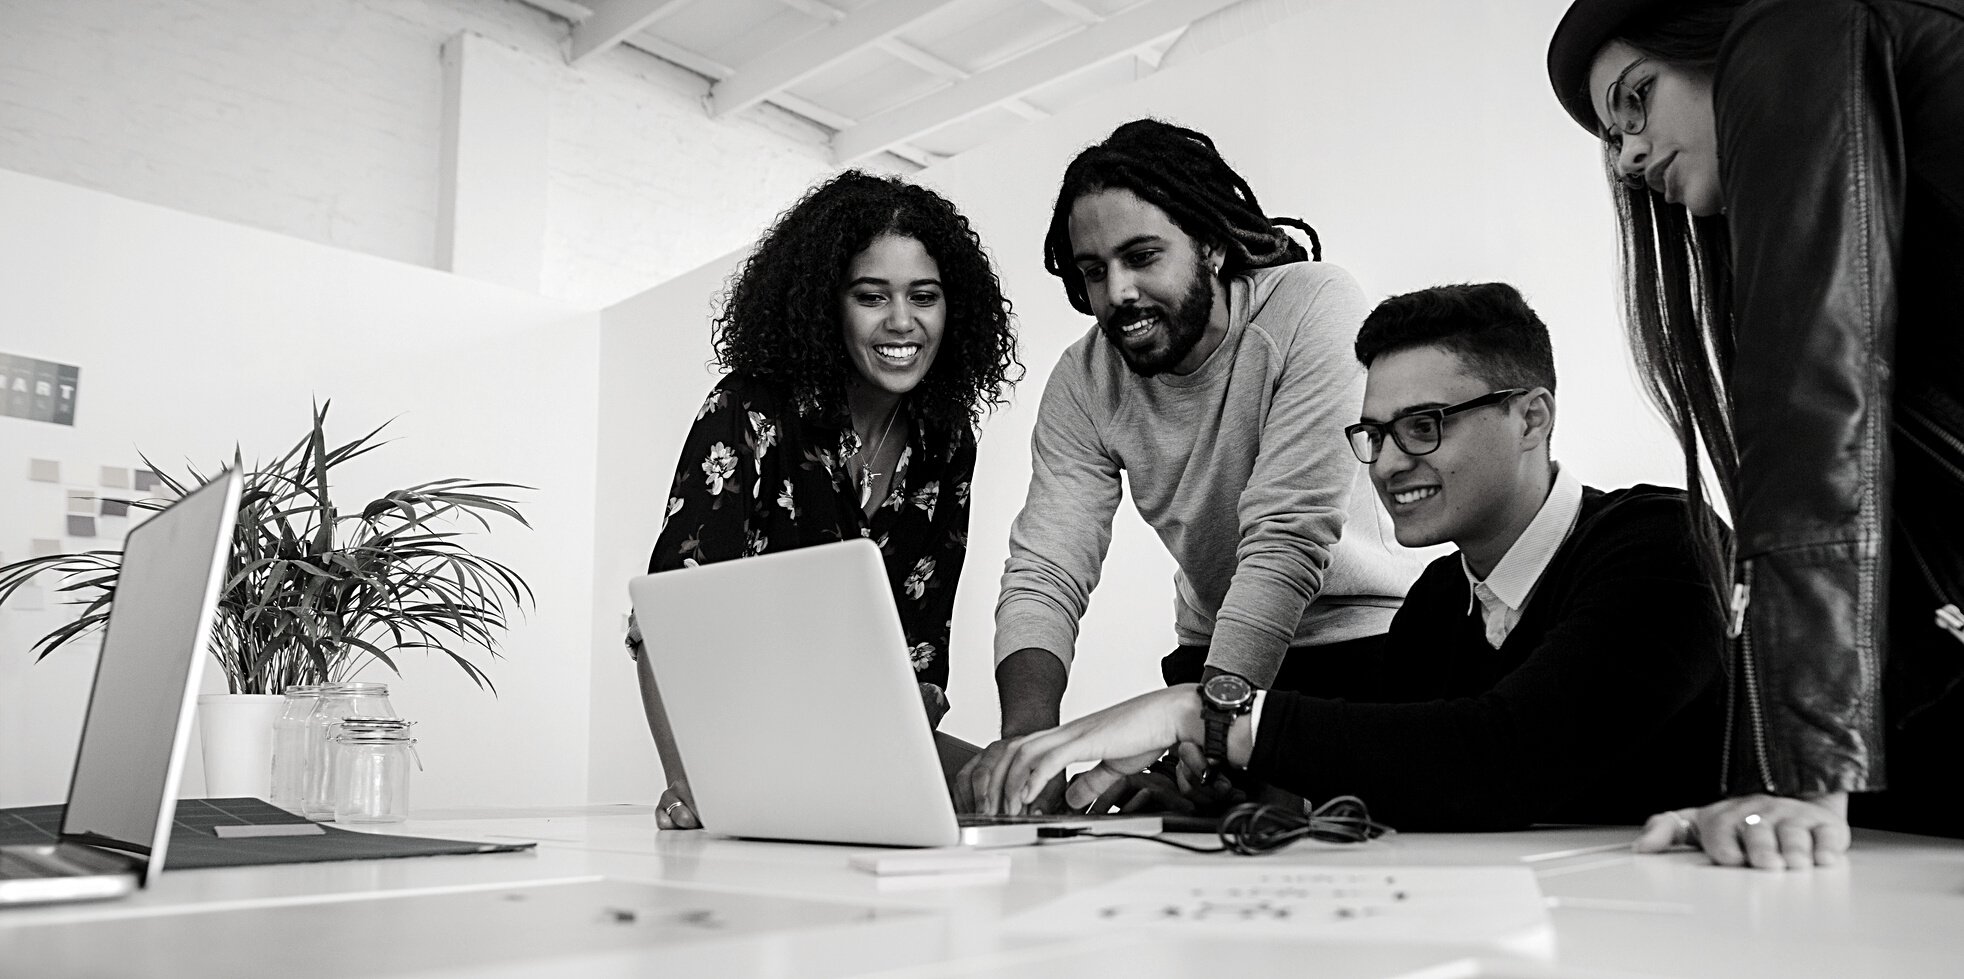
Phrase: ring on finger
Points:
(1687, 833)
(669, 810)
(1752, 819)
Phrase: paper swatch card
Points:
(1498, 907)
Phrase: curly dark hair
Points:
(781, 324)
(1179, 171)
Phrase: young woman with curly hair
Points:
(863, 338)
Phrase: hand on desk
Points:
(1766, 832)
(1018, 774)
(677, 808)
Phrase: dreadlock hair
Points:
(1677, 293)
(780, 321)
(1179, 171)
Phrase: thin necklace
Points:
(866, 473)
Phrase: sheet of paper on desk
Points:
(1497, 907)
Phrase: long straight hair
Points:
(1677, 304)
(1677, 294)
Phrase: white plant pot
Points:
(235, 731)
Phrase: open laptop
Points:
(123, 795)
(787, 684)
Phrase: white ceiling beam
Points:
(928, 62)
(1025, 110)
(1074, 10)
(834, 121)
(567, 9)
(701, 64)
(816, 9)
(791, 63)
(948, 70)
(1118, 37)
(614, 21)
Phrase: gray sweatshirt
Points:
(1240, 467)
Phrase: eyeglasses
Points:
(1416, 432)
(1628, 113)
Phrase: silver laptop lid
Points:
(787, 683)
(124, 791)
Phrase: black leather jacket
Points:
(1841, 148)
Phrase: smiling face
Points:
(1151, 287)
(894, 312)
(1676, 154)
(1488, 476)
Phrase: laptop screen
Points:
(153, 651)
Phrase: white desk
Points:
(606, 895)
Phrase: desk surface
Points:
(606, 894)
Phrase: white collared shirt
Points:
(1506, 591)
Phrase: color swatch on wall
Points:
(38, 390)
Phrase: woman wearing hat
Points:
(1790, 195)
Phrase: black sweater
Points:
(1603, 706)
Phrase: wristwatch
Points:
(1223, 697)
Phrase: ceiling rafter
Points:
(614, 21)
(1122, 35)
(774, 71)
(817, 9)
(935, 65)
(1074, 10)
(715, 70)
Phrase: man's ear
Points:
(1538, 415)
(1214, 255)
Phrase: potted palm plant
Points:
(314, 593)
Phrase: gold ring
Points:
(1752, 819)
(669, 810)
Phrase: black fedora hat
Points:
(1588, 25)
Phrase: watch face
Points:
(1225, 691)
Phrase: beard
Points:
(1185, 324)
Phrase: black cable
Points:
(1253, 829)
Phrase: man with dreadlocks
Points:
(1218, 379)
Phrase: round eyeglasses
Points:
(1416, 432)
(1628, 113)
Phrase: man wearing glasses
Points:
(1561, 666)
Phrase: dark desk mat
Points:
(194, 845)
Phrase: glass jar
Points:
(369, 760)
(336, 701)
(290, 747)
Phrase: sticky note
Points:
(42, 547)
(143, 479)
(81, 501)
(115, 477)
(79, 526)
(115, 508)
(44, 470)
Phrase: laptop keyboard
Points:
(40, 861)
(1007, 819)
(23, 864)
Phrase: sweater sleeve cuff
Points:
(1027, 627)
(1243, 651)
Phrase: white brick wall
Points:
(321, 119)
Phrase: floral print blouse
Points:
(758, 477)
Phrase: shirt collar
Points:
(1514, 578)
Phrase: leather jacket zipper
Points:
(1742, 591)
